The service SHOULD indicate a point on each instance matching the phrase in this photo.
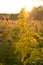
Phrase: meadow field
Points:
(21, 40)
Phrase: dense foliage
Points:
(21, 41)
(37, 13)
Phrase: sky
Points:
(14, 6)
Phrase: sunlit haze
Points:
(14, 6)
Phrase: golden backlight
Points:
(14, 6)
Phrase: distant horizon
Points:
(17, 12)
(15, 6)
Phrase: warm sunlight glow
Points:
(14, 6)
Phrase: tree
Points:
(37, 13)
